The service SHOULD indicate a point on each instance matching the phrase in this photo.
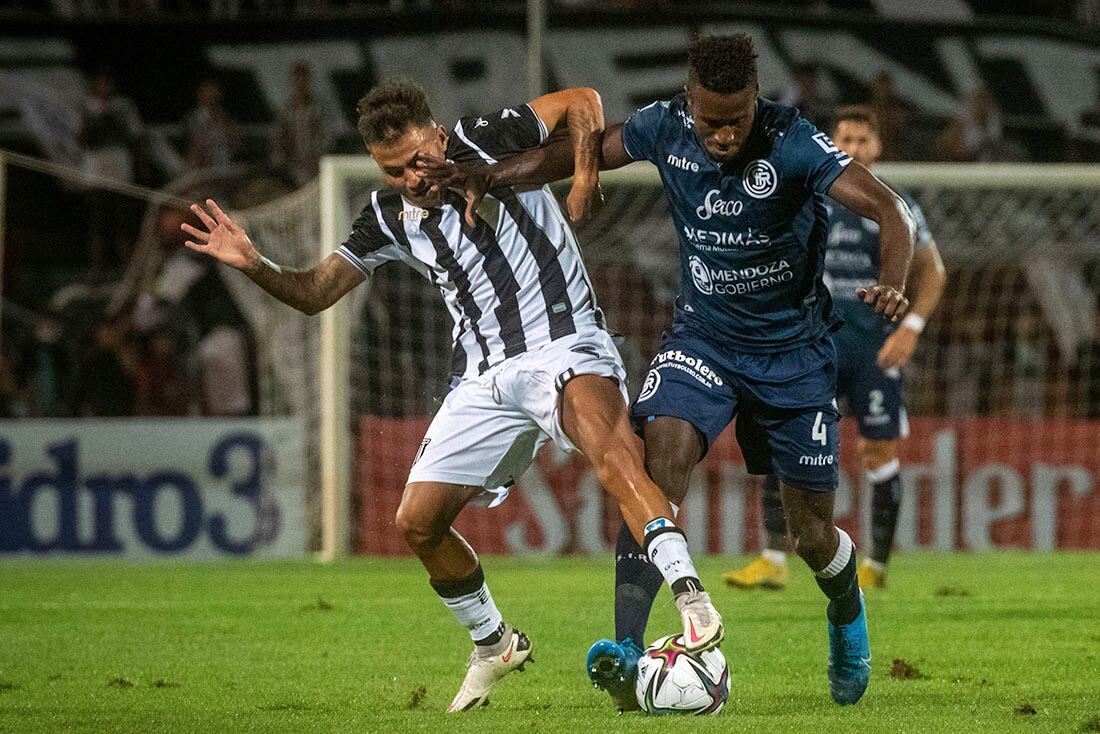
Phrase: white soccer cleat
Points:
(702, 622)
(483, 672)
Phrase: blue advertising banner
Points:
(137, 488)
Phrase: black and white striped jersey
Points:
(514, 282)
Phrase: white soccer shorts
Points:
(490, 427)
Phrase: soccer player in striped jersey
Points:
(870, 355)
(746, 181)
(533, 361)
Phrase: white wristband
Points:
(275, 266)
(914, 322)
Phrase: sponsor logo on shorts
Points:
(819, 460)
(697, 368)
(760, 179)
(649, 387)
(420, 451)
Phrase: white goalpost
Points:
(1019, 240)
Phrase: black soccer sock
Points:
(637, 582)
(775, 523)
(838, 581)
(885, 504)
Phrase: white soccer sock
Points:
(884, 473)
(844, 551)
(777, 557)
(668, 552)
(477, 612)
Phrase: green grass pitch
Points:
(1002, 643)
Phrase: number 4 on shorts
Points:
(820, 433)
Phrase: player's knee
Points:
(811, 536)
(877, 454)
(671, 471)
(419, 532)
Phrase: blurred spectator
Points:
(13, 403)
(109, 136)
(303, 132)
(210, 133)
(1089, 134)
(103, 385)
(809, 95)
(893, 118)
(1088, 370)
(161, 381)
(976, 133)
(190, 295)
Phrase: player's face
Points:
(722, 121)
(398, 162)
(858, 139)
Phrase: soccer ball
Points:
(673, 680)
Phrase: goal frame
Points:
(335, 431)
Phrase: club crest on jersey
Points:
(760, 179)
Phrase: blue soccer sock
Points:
(775, 522)
(637, 582)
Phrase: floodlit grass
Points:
(962, 643)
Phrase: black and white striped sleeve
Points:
(368, 246)
(488, 138)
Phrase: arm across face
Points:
(584, 149)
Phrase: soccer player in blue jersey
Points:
(871, 353)
(746, 181)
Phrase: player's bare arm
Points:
(580, 111)
(926, 286)
(310, 291)
(859, 190)
(555, 160)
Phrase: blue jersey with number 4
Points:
(753, 230)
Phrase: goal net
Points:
(1003, 392)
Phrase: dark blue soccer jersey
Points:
(752, 231)
(852, 261)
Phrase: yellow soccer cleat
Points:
(762, 572)
(871, 574)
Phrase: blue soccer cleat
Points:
(849, 658)
(613, 666)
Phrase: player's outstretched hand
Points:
(446, 174)
(898, 349)
(885, 299)
(223, 238)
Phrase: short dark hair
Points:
(856, 113)
(722, 64)
(389, 109)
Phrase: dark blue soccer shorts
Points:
(784, 403)
(874, 396)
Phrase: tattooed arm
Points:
(310, 291)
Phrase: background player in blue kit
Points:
(871, 353)
(746, 181)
